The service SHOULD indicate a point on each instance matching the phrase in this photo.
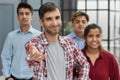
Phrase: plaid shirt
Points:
(72, 55)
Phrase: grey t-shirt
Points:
(55, 62)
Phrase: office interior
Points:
(105, 13)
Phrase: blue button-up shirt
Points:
(78, 41)
(13, 54)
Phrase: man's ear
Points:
(32, 17)
(72, 24)
(41, 22)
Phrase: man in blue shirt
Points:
(79, 22)
(13, 54)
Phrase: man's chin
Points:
(25, 24)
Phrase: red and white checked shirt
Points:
(72, 55)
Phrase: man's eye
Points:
(90, 36)
(27, 13)
(58, 17)
(84, 22)
(77, 21)
(21, 13)
(48, 19)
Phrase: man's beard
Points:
(52, 33)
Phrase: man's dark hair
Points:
(79, 13)
(47, 7)
(24, 5)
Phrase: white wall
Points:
(15, 3)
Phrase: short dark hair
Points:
(24, 5)
(79, 13)
(46, 7)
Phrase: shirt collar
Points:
(73, 35)
(100, 56)
(31, 30)
(45, 41)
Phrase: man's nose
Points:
(24, 15)
(54, 22)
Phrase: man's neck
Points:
(51, 38)
(24, 29)
(79, 35)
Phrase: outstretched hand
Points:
(35, 54)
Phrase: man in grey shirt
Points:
(50, 55)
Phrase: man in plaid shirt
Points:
(52, 56)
